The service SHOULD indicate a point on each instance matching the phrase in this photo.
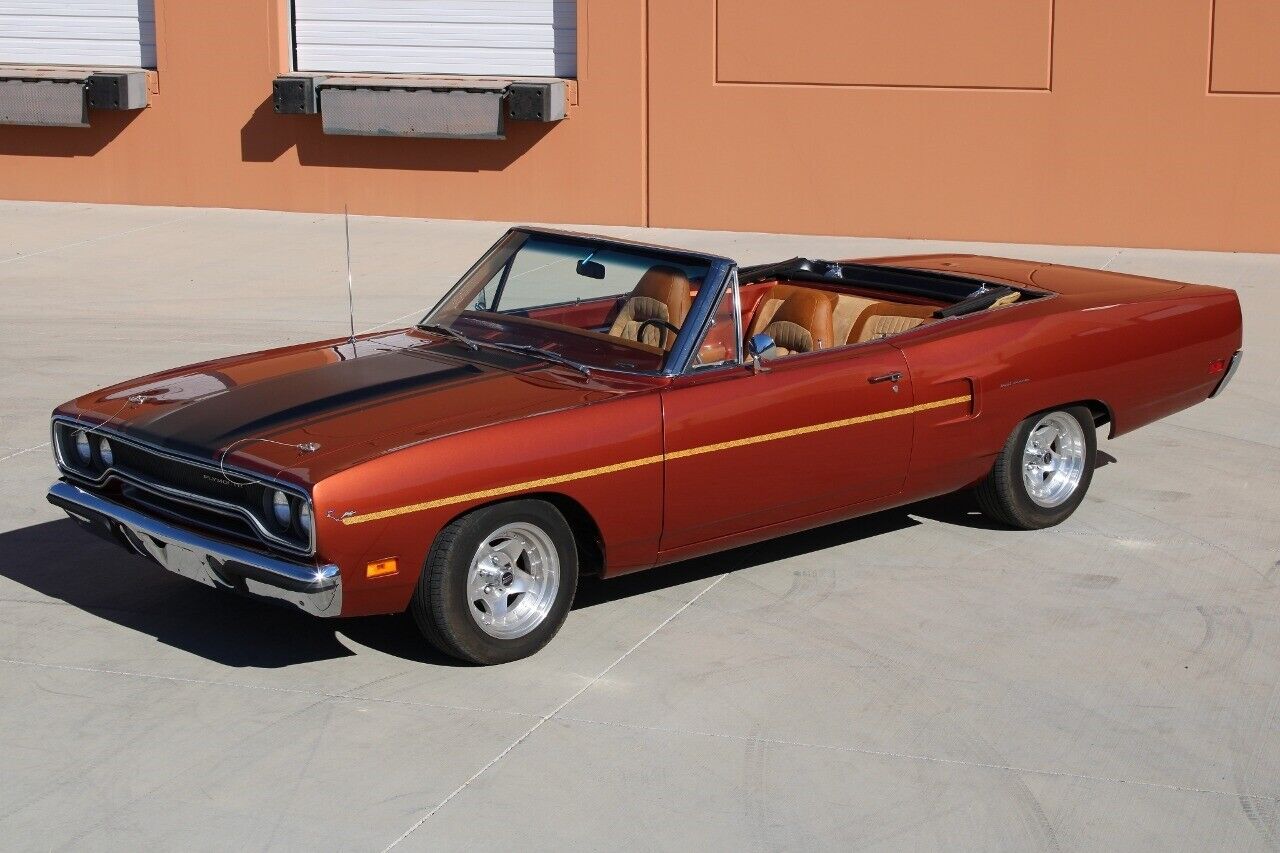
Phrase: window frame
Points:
(700, 369)
(720, 270)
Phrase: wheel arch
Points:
(586, 532)
(1102, 414)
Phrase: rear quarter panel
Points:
(1143, 353)
(625, 504)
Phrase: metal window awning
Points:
(62, 97)
(431, 106)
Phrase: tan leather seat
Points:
(772, 300)
(882, 319)
(848, 309)
(801, 323)
(663, 293)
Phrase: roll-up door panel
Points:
(78, 32)
(464, 37)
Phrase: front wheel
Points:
(1042, 473)
(498, 582)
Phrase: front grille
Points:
(234, 526)
(187, 476)
(201, 494)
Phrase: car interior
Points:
(799, 317)
(656, 309)
(802, 306)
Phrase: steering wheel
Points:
(675, 330)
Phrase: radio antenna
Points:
(351, 304)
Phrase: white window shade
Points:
(91, 33)
(530, 38)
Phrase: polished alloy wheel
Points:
(1053, 459)
(513, 580)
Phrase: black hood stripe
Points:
(203, 426)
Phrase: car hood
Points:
(319, 408)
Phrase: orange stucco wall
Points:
(1116, 122)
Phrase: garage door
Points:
(78, 32)
(536, 38)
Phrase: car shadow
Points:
(958, 509)
(58, 560)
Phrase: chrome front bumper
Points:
(315, 589)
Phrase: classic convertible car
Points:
(582, 405)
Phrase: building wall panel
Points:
(1004, 44)
(211, 138)
(1139, 125)
(1246, 47)
(1126, 145)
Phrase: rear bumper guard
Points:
(316, 589)
(1226, 377)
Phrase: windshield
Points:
(590, 304)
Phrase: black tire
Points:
(1003, 495)
(441, 606)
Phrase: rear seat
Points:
(882, 319)
(855, 318)
(845, 309)
(848, 310)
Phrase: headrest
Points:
(773, 298)
(810, 310)
(669, 286)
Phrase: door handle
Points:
(887, 377)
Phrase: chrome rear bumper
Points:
(315, 589)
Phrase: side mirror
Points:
(591, 269)
(758, 346)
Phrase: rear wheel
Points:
(1042, 473)
(498, 582)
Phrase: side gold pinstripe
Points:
(530, 485)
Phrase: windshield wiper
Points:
(449, 333)
(523, 349)
(537, 352)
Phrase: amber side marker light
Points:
(381, 568)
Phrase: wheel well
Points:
(1100, 410)
(586, 533)
(1101, 413)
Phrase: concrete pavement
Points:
(915, 679)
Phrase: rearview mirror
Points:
(590, 268)
(758, 346)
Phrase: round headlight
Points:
(280, 509)
(304, 518)
(83, 449)
(104, 453)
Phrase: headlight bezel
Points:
(304, 519)
(82, 446)
(106, 455)
(288, 512)
(279, 507)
